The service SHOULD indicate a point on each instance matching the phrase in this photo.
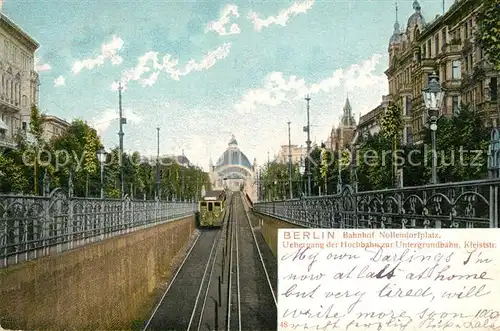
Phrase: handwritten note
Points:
(389, 279)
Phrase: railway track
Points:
(229, 290)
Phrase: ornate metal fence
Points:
(33, 226)
(471, 204)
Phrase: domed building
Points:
(233, 170)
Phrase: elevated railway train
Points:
(211, 209)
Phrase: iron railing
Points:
(35, 226)
(470, 204)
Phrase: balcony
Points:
(428, 63)
(8, 105)
(6, 141)
(452, 84)
(449, 49)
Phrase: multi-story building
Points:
(446, 46)
(19, 81)
(369, 123)
(297, 152)
(53, 126)
(342, 136)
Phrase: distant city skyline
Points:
(238, 68)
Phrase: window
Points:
(217, 204)
(436, 44)
(429, 49)
(25, 100)
(408, 105)
(494, 89)
(210, 206)
(454, 104)
(409, 135)
(424, 51)
(466, 30)
(455, 69)
(24, 126)
(443, 36)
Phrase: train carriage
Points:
(211, 209)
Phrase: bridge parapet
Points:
(470, 204)
(36, 226)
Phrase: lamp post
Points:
(158, 181)
(101, 156)
(308, 142)
(275, 191)
(290, 162)
(433, 99)
(302, 170)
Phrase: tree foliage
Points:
(488, 23)
(392, 121)
(462, 146)
(75, 151)
(461, 143)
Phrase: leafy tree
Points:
(325, 159)
(488, 35)
(36, 141)
(274, 181)
(489, 30)
(392, 124)
(462, 144)
(373, 164)
(92, 143)
(12, 178)
(75, 150)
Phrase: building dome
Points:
(416, 18)
(233, 156)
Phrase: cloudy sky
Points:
(203, 70)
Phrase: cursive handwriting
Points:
(393, 291)
(380, 255)
(443, 275)
(385, 272)
(382, 286)
(303, 253)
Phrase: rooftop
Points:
(16, 28)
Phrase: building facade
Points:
(53, 126)
(446, 46)
(233, 170)
(19, 84)
(297, 152)
(342, 136)
(369, 123)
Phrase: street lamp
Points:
(433, 98)
(275, 194)
(101, 156)
(302, 170)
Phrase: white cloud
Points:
(108, 52)
(283, 16)
(41, 67)
(278, 89)
(59, 81)
(149, 63)
(219, 26)
(102, 122)
(259, 119)
(282, 97)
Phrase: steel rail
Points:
(216, 241)
(238, 271)
(171, 283)
(230, 268)
(214, 262)
(261, 259)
